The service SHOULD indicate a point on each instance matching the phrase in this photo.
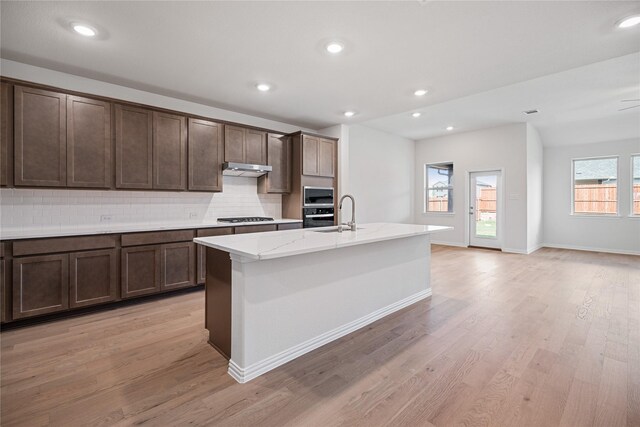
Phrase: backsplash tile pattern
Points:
(32, 209)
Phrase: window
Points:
(635, 185)
(595, 186)
(439, 187)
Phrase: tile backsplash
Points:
(32, 209)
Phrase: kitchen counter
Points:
(35, 233)
(295, 242)
(272, 297)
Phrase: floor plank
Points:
(547, 339)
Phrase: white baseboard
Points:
(591, 249)
(458, 245)
(242, 375)
(522, 251)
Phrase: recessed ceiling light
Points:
(449, 127)
(420, 92)
(629, 21)
(335, 47)
(349, 113)
(416, 114)
(84, 30)
(263, 87)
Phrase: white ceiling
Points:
(577, 106)
(215, 52)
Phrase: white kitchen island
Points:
(272, 297)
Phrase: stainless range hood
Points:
(244, 169)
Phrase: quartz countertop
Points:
(26, 233)
(261, 246)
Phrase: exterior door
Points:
(484, 209)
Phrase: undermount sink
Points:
(334, 230)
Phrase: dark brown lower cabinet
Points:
(40, 285)
(94, 277)
(255, 228)
(201, 265)
(141, 269)
(178, 265)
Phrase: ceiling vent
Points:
(531, 112)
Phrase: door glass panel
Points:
(485, 212)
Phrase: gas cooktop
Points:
(246, 219)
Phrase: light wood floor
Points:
(548, 339)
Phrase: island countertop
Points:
(270, 245)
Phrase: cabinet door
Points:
(40, 138)
(134, 147)
(88, 143)
(309, 155)
(278, 157)
(169, 152)
(6, 135)
(255, 147)
(326, 150)
(234, 144)
(140, 268)
(94, 278)
(178, 265)
(40, 285)
(205, 155)
(5, 304)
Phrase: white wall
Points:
(380, 175)
(561, 229)
(535, 158)
(503, 147)
(71, 82)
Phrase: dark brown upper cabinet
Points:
(255, 150)
(206, 152)
(6, 135)
(279, 157)
(40, 138)
(169, 151)
(318, 156)
(89, 156)
(242, 145)
(134, 147)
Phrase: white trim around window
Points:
(572, 211)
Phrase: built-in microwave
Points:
(317, 197)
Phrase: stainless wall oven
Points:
(317, 217)
(317, 197)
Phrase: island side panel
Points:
(288, 306)
(218, 300)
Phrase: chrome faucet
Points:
(351, 224)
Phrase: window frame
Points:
(631, 213)
(572, 211)
(425, 190)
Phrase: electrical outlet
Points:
(106, 218)
(192, 215)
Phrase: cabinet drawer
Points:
(157, 237)
(62, 244)
(255, 228)
(290, 226)
(208, 232)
